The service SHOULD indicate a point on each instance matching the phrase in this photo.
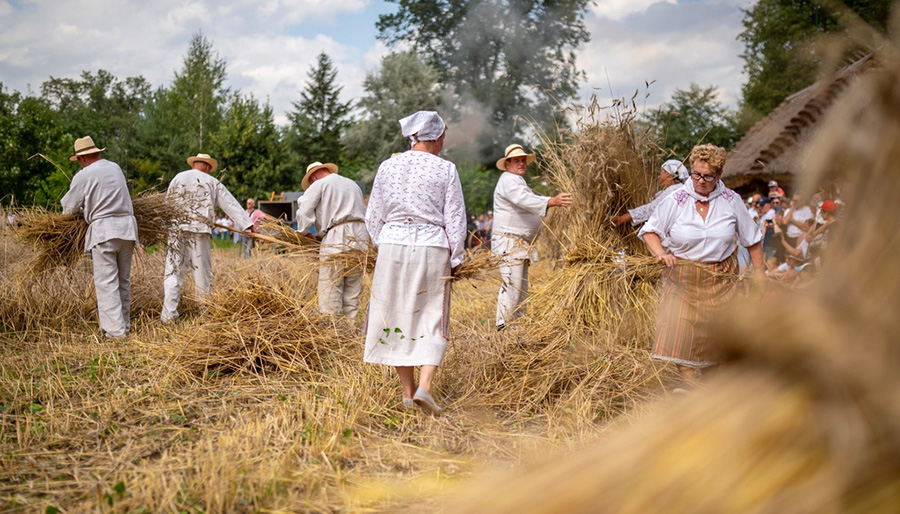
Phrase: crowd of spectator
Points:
(479, 230)
(795, 230)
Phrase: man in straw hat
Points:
(417, 218)
(518, 213)
(201, 194)
(100, 192)
(335, 205)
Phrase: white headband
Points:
(422, 126)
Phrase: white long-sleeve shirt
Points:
(417, 200)
(334, 204)
(642, 213)
(100, 191)
(692, 237)
(518, 211)
(202, 193)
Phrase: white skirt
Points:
(409, 306)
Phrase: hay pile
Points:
(260, 325)
(59, 238)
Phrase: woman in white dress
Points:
(702, 221)
(417, 218)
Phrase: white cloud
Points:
(672, 44)
(619, 9)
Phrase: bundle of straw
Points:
(157, 214)
(286, 234)
(258, 325)
(59, 238)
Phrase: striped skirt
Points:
(693, 297)
(409, 306)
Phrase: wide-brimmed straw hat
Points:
(84, 146)
(515, 150)
(332, 168)
(204, 157)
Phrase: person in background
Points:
(797, 219)
(201, 194)
(774, 190)
(99, 192)
(334, 205)
(672, 175)
(417, 218)
(519, 215)
(256, 216)
(703, 222)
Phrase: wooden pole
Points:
(261, 237)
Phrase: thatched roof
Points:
(770, 150)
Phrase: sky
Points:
(269, 45)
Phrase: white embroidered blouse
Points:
(696, 239)
(417, 200)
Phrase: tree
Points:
(403, 85)
(251, 150)
(512, 59)
(103, 107)
(693, 116)
(780, 57)
(29, 125)
(319, 118)
(178, 121)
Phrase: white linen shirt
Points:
(330, 203)
(642, 213)
(100, 190)
(518, 211)
(417, 200)
(693, 238)
(202, 193)
(801, 215)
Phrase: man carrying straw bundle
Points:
(417, 217)
(201, 194)
(100, 192)
(518, 215)
(335, 205)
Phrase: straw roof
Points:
(772, 148)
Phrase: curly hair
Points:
(711, 154)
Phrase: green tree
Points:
(404, 84)
(251, 150)
(103, 107)
(513, 59)
(691, 117)
(780, 57)
(178, 121)
(28, 126)
(319, 118)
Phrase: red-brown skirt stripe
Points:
(692, 297)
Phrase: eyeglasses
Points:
(705, 178)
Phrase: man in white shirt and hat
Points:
(201, 194)
(100, 192)
(334, 204)
(518, 215)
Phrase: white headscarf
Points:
(676, 169)
(422, 126)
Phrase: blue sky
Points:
(269, 45)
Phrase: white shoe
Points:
(426, 402)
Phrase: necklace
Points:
(701, 207)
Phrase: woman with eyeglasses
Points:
(702, 221)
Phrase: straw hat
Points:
(332, 168)
(514, 150)
(204, 157)
(84, 146)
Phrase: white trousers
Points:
(339, 291)
(513, 289)
(194, 253)
(112, 282)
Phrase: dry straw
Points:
(804, 418)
